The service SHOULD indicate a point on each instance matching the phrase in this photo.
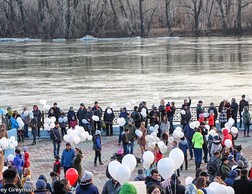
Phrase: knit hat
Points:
(230, 157)
(42, 177)
(128, 188)
(40, 184)
(224, 159)
(97, 132)
(87, 176)
(58, 185)
(29, 184)
(25, 148)
(232, 174)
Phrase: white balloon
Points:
(10, 157)
(12, 145)
(160, 144)
(212, 132)
(71, 139)
(146, 166)
(47, 127)
(188, 180)
(26, 113)
(197, 124)
(207, 127)
(109, 111)
(95, 118)
(47, 121)
(66, 137)
(165, 168)
(156, 139)
(53, 119)
(140, 134)
(15, 143)
(52, 125)
(42, 102)
(149, 138)
(90, 137)
(177, 157)
(175, 134)
(152, 128)
(123, 174)
(220, 189)
(12, 138)
(180, 134)
(84, 121)
(205, 114)
(228, 143)
(163, 149)
(46, 107)
(60, 120)
(192, 125)
(65, 119)
(121, 122)
(156, 127)
(170, 139)
(213, 185)
(148, 157)
(154, 134)
(209, 190)
(234, 130)
(129, 161)
(178, 128)
(231, 121)
(228, 125)
(77, 139)
(151, 145)
(137, 131)
(230, 190)
(113, 168)
(182, 112)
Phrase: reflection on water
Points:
(121, 70)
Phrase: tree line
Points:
(48, 19)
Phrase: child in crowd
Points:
(26, 158)
(97, 147)
(211, 121)
(125, 141)
(56, 166)
(184, 147)
(73, 122)
(158, 155)
(27, 174)
(54, 177)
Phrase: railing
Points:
(176, 118)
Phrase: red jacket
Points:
(211, 120)
(26, 160)
(158, 156)
(226, 136)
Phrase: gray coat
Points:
(110, 187)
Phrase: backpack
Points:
(211, 167)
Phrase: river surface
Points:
(124, 71)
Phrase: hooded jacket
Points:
(18, 162)
(197, 140)
(67, 158)
(87, 188)
(226, 136)
(188, 133)
(183, 146)
(231, 178)
(246, 117)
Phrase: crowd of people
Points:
(225, 165)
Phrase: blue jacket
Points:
(188, 133)
(14, 123)
(18, 162)
(97, 143)
(87, 188)
(183, 146)
(67, 157)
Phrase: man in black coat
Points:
(242, 104)
(242, 185)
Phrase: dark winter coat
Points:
(97, 111)
(38, 115)
(87, 188)
(242, 104)
(67, 157)
(234, 109)
(81, 114)
(111, 187)
(55, 135)
(97, 143)
(188, 133)
(34, 126)
(183, 146)
(77, 164)
(242, 186)
(71, 114)
(56, 112)
(150, 181)
(108, 118)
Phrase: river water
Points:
(124, 71)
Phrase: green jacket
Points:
(225, 169)
(197, 140)
(131, 136)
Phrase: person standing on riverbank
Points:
(26, 119)
(82, 114)
(56, 137)
(54, 111)
(170, 115)
(234, 110)
(242, 104)
(38, 115)
(108, 119)
(97, 111)
(131, 136)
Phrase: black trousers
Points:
(97, 155)
(109, 129)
